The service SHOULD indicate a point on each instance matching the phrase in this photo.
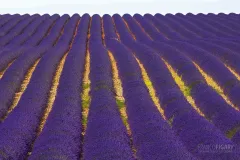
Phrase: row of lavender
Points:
(106, 137)
(17, 30)
(209, 56)
(218, 113)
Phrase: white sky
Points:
(118, 6)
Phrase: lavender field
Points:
(151, 87)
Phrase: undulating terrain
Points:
(149, 87)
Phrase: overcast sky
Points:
(118, 6)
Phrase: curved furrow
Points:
(29, 30)
(224, 54)
(7, 18)
(149, 28)
(228, 22)
(105, 137)
(119, 23)
(211, 65)
(145, 121)
(14, 76)
(16, 30)
(199, 89)
(122, 29)
(177, 27)
(120, 100)
(41, 32)
(67, 30)
(5, 29)
(8, 56)
(86, 86)
(219, 26)
(120, 87)
(3, 71)
(230, 86)
(58, 28)
(61, 135)
(111, 135)
(109, 30)
(176, 108)
(203, 29)
(135, 22)
(21, 89)
(136, 30)
(180, 113)
(206, 26)
(209, 102)
(85, 94)
(36, 94)
(163, 28)
(117, 83)
(194, 28)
